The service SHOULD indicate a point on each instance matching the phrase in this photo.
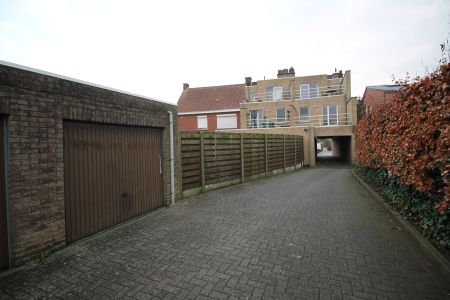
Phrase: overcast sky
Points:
(152, 47)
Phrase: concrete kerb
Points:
(431, 251)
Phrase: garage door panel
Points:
(111, 175)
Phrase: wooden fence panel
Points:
(275, 152)
(222, 157)
(254, 155)
(290, 151)
(211, 159)
(190, 161)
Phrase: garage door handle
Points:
(124, 195)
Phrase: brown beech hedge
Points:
(410, 136)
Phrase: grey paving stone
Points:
(308, 235)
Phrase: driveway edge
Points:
(424, 243)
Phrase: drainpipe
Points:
(172, 163)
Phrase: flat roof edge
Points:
(42, 72)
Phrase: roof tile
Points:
(211, 98)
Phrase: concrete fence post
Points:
(311, 147)
(265, 155)
(284, 153)
(202, 160)
(295, 152)
(180, 164)
(242, 159)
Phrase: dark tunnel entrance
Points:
(333, 149)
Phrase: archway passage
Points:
(333, 150)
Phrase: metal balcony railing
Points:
(317, 120)
(331, 90)
(298, 94)
(271, 97)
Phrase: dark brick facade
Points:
(35, 105)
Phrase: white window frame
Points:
(258, 121)
(310, 90)
(202, 122)
(253, 97)
(300, 114)
(227, 115)
(281, 120)
(326, 117)
(277, 90)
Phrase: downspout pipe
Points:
(172, 160)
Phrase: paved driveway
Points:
(311, 234)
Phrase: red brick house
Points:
(376, 95)
(210, 108)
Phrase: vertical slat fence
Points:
(212, 160)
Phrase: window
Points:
(256, 118)
(281, 115)
(226, 121)
(277, 93)
(253, 97)
(202, 122)
(330, 115)
(309, 90)
(304, 114)
(274, 93)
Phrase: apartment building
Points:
(316, 106)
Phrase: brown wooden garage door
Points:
(3, 221)
(111, 174)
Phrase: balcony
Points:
(329, 120)
(271, 97)
(328, 91)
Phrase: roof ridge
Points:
(213, 86)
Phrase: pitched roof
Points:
(385, 87)
(211, 98)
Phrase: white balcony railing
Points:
(312, 93)
(271, 97)
(317, 120)
(331, 90)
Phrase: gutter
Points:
(172, 163)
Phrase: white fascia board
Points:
(207, 112)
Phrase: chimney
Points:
(185, 86)
(286, 73)
(248, 81)
(292, 71)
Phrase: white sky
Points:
(152, 47)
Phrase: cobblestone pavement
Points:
(310, 234)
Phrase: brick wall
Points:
(374, 98)
(188, 123)
(35, 106)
